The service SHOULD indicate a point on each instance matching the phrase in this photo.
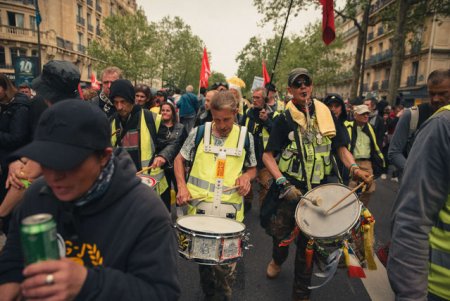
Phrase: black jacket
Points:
(170, 141)
(125, 239)
(14, 125)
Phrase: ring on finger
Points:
(49, 279)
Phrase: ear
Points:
(107, 153)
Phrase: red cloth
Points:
(328, 29)
(265, 73)
(95, 84)
(205, 71)
(80, 91)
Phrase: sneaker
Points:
(273, 270)
(383, 176)
(394, 179)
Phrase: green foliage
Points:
(167, 50)
(308, 52)
(216, 77)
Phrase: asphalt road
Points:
(252, 284)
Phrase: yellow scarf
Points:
(324, 118)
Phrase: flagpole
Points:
(281, 41)
(38, 22)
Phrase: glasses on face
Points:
(218, 84)
(298, 83)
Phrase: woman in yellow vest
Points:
(222, 146)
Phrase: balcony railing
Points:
(90, 27)
(80, 20)
(378, 5)
(370, 36)
(375, 86)
(385, 84)
(60, 42)
(379, 57)
(416, 47)
(81, 48)
(411, 81)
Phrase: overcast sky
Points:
(224, 26)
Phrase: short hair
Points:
(263, 91)
(438, 76)
(223, 100)
(189, 88)
(144, 89)
(373, 101)
(8, 86)
(214, 92)
(112, 69)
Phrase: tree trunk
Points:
(356, 70)
(398, 51)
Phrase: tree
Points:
(124, 43)
(216, 77)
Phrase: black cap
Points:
(59, 80)
(67, 133)
(123, 88)
(333, 97)
(296, 73)
(271, 87)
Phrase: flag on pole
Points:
(38, 14)
(265, 73)
(95, 84)
(328, 29)
(205, 71)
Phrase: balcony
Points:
(60, 42)
(98, 7)
(379, 58)
(90, 27)
(80, 20)
(411, 81)
(375, 86)
(68, 45)
(370, 36)
(385, 84)
(379, 5)
(90, 3)
(81, 48)
(19, 34)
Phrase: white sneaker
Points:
(394, 179)
(383, 176)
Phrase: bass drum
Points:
(210, 240)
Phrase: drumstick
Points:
(346, 196)
(143, 170)
(231, 188)
(115, 132)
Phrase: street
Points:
(252, 284)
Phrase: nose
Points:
(54, 175)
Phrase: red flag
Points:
(80, 91)
(95, 84)
(265, 73)
(205, 71)
(328, 30)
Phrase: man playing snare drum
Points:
(214, 169)
(309, 123)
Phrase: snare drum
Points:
(335, 227)
(149, 181)
(210, 240)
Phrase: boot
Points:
(273, 270)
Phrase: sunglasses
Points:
(298, 83)
(218, 84)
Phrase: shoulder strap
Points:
(414, 120)
(297, 141)
(199, 135)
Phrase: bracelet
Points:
(281, 180)
(353, 168)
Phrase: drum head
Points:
(210, 224)
(147, 180)
(312, 219)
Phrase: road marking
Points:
(377, 283)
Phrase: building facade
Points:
(67, 28)
(428, 50)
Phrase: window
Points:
(415, 69)
(15, 19)
(33, 22)
(380, 46)
(34, 52)
(79, 11)
(17, 52)
(370, 51)
(2, 56)
(89, 19)
(80, 38)
(89, 70)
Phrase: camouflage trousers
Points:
(217, 281)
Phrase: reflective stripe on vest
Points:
(201, 181)
(316, 157)
(439, 273)
(146, 150)
(349, 126)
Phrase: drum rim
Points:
(211, 234)
(336, 236)
(154, 181)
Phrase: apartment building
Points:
(67, 28)
(428, 50)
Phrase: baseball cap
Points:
(271, 87)
(59, 80)
(296, 73)
(361, 109)
(333, 97)
(67, 133)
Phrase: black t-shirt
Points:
(278, 139)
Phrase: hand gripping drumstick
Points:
(346, 196)
(201, 198)
(143, 170)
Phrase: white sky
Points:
(224, 26)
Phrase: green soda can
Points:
(38, 236)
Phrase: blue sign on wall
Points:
(25, 69)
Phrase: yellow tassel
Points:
(368, 245)
(346, 256)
